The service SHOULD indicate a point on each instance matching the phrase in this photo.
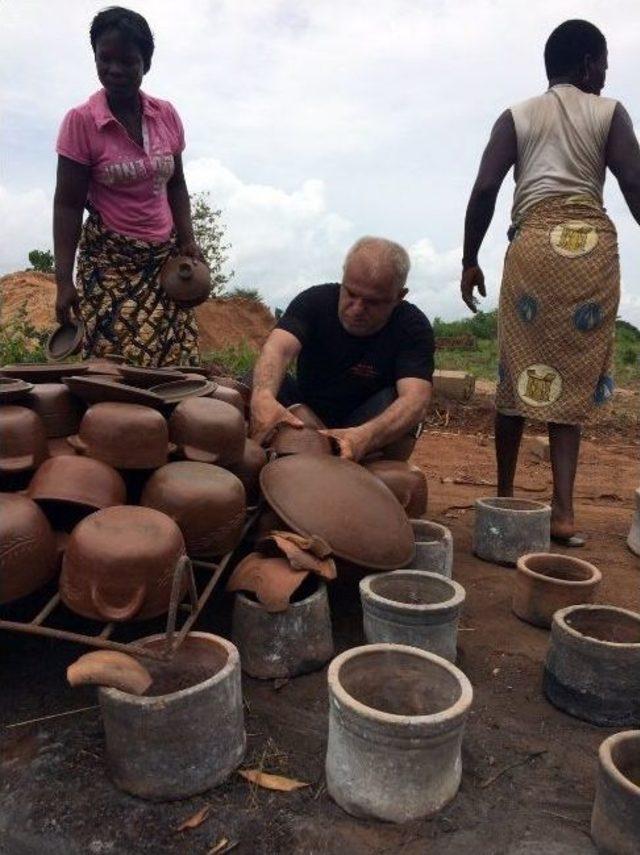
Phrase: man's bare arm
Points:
(279, 351)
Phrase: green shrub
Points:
(237, 360)
(20, 341)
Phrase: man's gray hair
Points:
(381, 253)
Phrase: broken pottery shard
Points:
(272, 580)
(110, 668)
(300, 552)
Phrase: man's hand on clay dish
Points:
(353, 442)
(267, 414)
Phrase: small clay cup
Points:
(208, 431)
(23, 440)
(60, 411)
(65, 340)
(186, 282)
(545, 582)
(28, 556)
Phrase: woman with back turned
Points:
(561, 280)
(120, 156)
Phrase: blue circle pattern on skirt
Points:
(604, 389)
(588, 317)
(527, 308)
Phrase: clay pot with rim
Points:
(633, 541)
(592, 670)
(28, 554)
(407, 483)
(119, 564)
(615, 820)
(434, 548)
(126, 436)
(12, 389)
(248, 470)
(60, 411)
(24, 440)
(65, 340)
(546, 582)
(208, 431)
(506, 528)
(185, 281)
(207, 502)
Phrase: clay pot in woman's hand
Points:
(28, 555)
(126, 436)
(23, 440)
(407, 483)
(208, 431)
(186, 282)
(207, 502)
(60, 411)
(119, 564)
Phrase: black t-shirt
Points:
(337, 371)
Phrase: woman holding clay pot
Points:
(120, 157)
(561, 280)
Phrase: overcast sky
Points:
(313, 123)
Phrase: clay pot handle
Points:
(118, 613)
(185, 270)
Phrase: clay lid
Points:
(60, 411)
(342, 503)
(208, 431)
(126, 436)
(95, 390)
(65, 340)
(186, 282)
(23, 439)
(35, 372)
(78, 481)
(13, 389)
(272, 580)
(174, 391)
(145, 378)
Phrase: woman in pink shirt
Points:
(120, 157)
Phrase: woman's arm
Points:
(72, 184)
(178, 196)
(498, 158)
(623, 158)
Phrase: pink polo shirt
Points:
(128, 183)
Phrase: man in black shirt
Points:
(364, 357)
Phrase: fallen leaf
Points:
(222, 846)
(272, 782)
(197, 819)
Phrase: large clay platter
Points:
(12, 389)
(342, 503)
(35, 372)
(94, 390)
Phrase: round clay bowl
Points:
(28, 557)
(254, 459)
(546, 582)
(207, 502)
(97, 390)
(65, 340)
(187, 283)
(145, 378)
(407, 483)
(13, 389)
(36, 372)
(208, 431)
(291, 440)
(81, 481)
(126, 436)
(119, 564)
(24, 440)
(60, 411)
(342, 503)
(174, 391)
(229, 396)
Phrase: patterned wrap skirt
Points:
(122, 303)
(558, 306)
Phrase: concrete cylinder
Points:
(186, 734)
(592, 669)
(412, 607)
(615, 820)
(283, 644)
(545, 582)
(506, 528)
(434, 548)
(396, 720)
(634, 534)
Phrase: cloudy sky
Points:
(313, 122)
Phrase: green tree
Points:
(209, 233)
(246, 294)
(42, 260)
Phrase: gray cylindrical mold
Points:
(507, 528)
(615, 820)
(434, 548)
(396, 720)
(283, 644)
(412, 607)
(172, 746)
(634, 534)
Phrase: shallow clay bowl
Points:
(342, 503)
(95, 390)
(13, 389)
(145, 378)
(34, 372)
(65, 340)
(174, 391)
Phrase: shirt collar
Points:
(102, 115)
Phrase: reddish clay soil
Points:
(528, 769)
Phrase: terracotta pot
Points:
(248, 470)
(119, 564)
(545, 583)
(407, 483)
(615, 821)
(229, 396)
(232, 383)
(174, 391)
(290, 440)
(59, 447)
(60, 411)
(65, 340)
(79, 481)
(13, 389)
(208, 431)
(307, 416)
(24, 440)
(28, 557)
(207, 502)
(187, 283)
(126, 436)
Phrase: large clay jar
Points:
(59, 410)
(23, 440)
(407, 483)
(119, 564)
(186, 282)
(615, 821)
(208, 431)
(248, 469)
(207, 502)
(28, 554)
(126, 436)
(545, 582)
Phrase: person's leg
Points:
(401, 448)
(564, 446)
(508, 431)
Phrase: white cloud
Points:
(26, 225)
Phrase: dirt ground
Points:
(528, 769)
